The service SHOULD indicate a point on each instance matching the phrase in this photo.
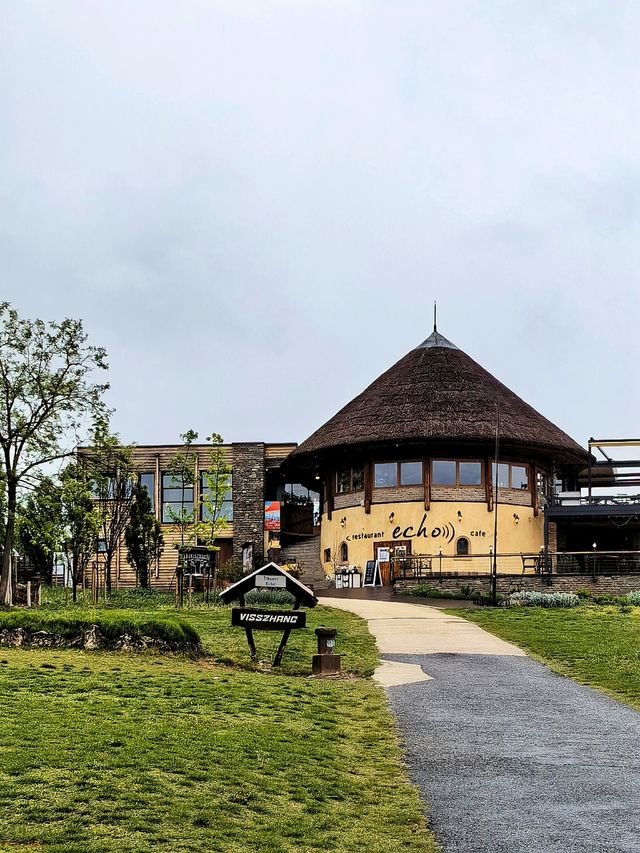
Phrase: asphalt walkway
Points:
(510, 756)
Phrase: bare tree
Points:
(47, 397)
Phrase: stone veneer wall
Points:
(506, 584)
(248, 498)
(397, 495)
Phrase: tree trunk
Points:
(6, 586)
(74, 588)
(107, 571)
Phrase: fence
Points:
(556, 562)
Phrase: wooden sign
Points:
(372, 574)
(270, 576)
(268, 620)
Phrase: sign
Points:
(383, 555)
(272, 515)
(372, 574)
(272, 581)
(268, 620)
(196, 561)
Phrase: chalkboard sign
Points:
(371, 574)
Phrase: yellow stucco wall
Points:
(437, 528)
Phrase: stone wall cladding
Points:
(350, 499)
(389, 496)
(506, 584)
(452, 493)
(248, 498)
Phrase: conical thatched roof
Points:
(438, 394)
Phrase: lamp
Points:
(392, 515)
(516, 517)
(459, 516)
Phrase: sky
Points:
(253, 205)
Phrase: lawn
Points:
(111, 752)
(599, 646)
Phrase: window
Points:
(225, 510)
(344, 552)
(462, 547)
(387, 475)
(148, 481)
(177, 498)
(444, 473)
(449, 472)
(511, 476)
(349, 480)
(327, 555)
(411, 473)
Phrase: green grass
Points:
(104, 752)
(599, 646)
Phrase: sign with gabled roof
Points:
(270, 576)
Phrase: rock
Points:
(92, 638)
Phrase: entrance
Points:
(400, 548)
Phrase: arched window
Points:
(344, 553)
(462, 547)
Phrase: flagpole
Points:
(494, 565)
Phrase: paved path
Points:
(510, 756)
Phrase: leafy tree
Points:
(47, 396)
(40, 526)
(182, 469)
(216, 482)
(110, 467)
(143, 537)
(81, 519)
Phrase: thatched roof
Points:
(438, 394)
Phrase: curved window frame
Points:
(458, 484)
(467, 552)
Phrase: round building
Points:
(411, 474)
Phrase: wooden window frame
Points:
(350, 490)
(398, 484)
(458, 484)
(511, 465)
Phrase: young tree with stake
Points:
(143, 537)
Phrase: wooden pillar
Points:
(426, 483)
(331, 478)
(368, 486)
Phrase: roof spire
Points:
(435, 316)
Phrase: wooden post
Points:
(285, 636)
(28, 593)
(249, 633)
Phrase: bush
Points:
(584, 593)
(544, 599)
(113, 625)
(260, 597)
(633, 598)
(424, 591)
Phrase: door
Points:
(391, 550)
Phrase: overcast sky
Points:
(253, 205)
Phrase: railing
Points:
(594, 500)
(557, 562)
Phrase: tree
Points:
(216, 485)
(40, 526)
(182, 470)
(143, 537)
(110, 468)
(47, 396)
(81, 520)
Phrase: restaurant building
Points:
(408, 468)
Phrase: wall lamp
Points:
(392, 515)
(516, 517)
(459, 516)
(343, 521)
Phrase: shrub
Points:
(544, 599)
(424, 591)
(584, 593)
(260, 597)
